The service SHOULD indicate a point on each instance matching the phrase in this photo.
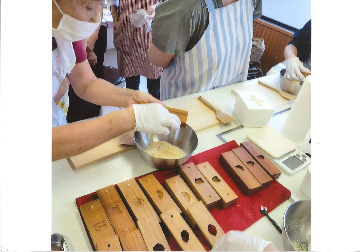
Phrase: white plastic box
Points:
(253, 109)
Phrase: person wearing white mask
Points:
(73, 21)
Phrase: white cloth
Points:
(221, 57)
(239, 241)
(63, 61)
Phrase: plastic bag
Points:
(257, 49)
(239, 241)
(143, 17)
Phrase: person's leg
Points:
(133, 82)
(99, 50)
(153, 86)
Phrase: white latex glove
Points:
(239, 241)
(294, 67)
(155, 118)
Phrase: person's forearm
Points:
(103, 93)
(290, 51)
(75, 138)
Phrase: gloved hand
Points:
(239, 241)
(294, 67)
(154, 118)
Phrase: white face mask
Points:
(71, 29)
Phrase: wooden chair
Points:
(276, 38)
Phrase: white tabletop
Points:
(67, 184)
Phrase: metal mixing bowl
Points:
(185, 138)
(296, 231)
(290, 86)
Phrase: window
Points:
(293, 13)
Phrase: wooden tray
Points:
(241, 215)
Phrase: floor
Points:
(110, 60)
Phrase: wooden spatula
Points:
(306, 74)
(182, 114)
(221, 115)
(282, 93)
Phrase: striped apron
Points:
(132, 43)
(221, 57)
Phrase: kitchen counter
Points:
(67, 184)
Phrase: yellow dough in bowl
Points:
(164, 150)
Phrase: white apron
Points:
(63, 60)
(221, 57)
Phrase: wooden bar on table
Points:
(136, 200)
(240, 174)
(182, 195)
(99, 226)
(181, 231)
(133, 241)
(206, 222)
(123, 224)
(228, 196)
(109, 244)
(182, 114)
(264, 162)
(156, 193)
(199, 185)
(259, 173)
(153, 235)
(116, 210)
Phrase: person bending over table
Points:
(73, 21)
(203, 44)
(298, 51)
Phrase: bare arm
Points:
(75, 138)
(101, 92)
(290, 51)
(158, 57)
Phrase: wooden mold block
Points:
(182, 195)
(264, 162)
(199, 185)
(158, 196)
(240, 174)
(133, 241)
(153, 235)
(206, 222)
(109, 244)
(259, 173)
(136, 200)
(116, 210)
(98, 225)
(228, 196)
(181, 231)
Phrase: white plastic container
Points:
(305, 186)
(253, 109)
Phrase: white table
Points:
(67, 184)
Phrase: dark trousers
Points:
(80, 109)
(153, 85)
